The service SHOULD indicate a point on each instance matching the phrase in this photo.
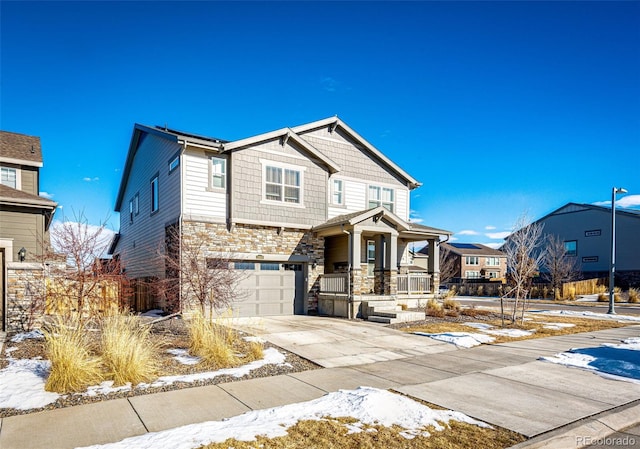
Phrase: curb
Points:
(587, 431)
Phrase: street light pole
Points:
(612, 265)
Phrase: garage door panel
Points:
(266, 293)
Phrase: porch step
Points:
(396, 317)
(389, 304)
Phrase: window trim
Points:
(225, 173)
(16, 175)
(174, 163)
(468, 261)
(333, 190)
(155, 194)
(136, 204)
(131, 211)
(282, 166)
(380, 200)
(490, 259)
(466, 274)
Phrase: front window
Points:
(472, 260)
(282, 184)
(218, 172)
(493, 261)
(493, 274)
(337, 194)
(155, 203)
(473, 274)
(9, 177)
(371, 257)
(381, 196)
(571, 247)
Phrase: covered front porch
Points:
(367, 259)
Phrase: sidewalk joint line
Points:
(138, 415)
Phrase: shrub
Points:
(450, 304)
(634, 295)
(545, 292)
(128, 352)
(434, 308)
(74, 367)
(535, 292)
(571, 293)
(604, 297)
(480, 291)
(255, 351)
(474, 312)
(557, 294)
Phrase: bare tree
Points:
(447, 265)
(525, 256)
(560, 267)
(207, 282)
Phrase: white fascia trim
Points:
(10, 160)
(273, 224)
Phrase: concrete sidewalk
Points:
(500, 384)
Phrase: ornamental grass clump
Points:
(213, 343)
(434, 308)
(74, 365)
(634, 295)
(129, 354)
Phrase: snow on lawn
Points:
(369, 406)
(516, 333)
(35, 335)
(600, 316)
(460, 339)
(556, 326)
(22, 381)
(182, 356)
(615, 361)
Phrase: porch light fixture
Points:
(22, 254)
(612, 265)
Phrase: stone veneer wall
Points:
(25, 296)
(264, 240)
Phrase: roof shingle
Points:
(20, 146)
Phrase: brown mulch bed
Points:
(174, 335)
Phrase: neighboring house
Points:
(306, 211)
(24, 215)
(473, 261)
(586, 232)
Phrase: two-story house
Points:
(24, 215)
(473, 261)
(289, 207)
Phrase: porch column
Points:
(434, 263)
(378, 270)
(354, 262)
(391, 256)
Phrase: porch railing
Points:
(414, 283)
(334, 283)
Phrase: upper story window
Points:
(471, 260)
(218, 172)
(381, 196)
(337, 192)
(283, 184)
(174, 163)
(155, 200)
(9, 177)
(571, 247)
(493, 261)
(131, 211)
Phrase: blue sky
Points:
(498, 108)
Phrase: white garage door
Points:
(267, 289)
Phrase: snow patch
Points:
(600, 316)
(367, 405)
(460, 339)
(33, 335)
(183, 356)
(22, 384)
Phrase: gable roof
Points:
(172, 135)
(581, 207)
(20, 149)
(335, 122)
(285, 134)
(467, 249)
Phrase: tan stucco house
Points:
(316, 216)
(24, 215)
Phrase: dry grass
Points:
(450, 304)
(580, 325)
(434, 308)
(475, 312)
(634, 296)
(604, 297)
(128, 352)
(220, 346)
(332, 433)
(74, 367)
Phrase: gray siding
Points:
(573, 225)
(353, 161)
(30, 180)
(25, 228)
(247, 186)
(140, 240)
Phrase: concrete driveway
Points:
(335, 342)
